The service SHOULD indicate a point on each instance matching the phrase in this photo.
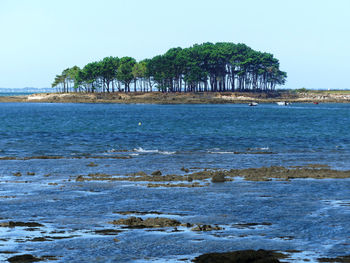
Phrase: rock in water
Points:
(23, 259)
(157, 173)
(218, 178)
(242, 256)
(137, 222)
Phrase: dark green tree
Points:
(124, 73)
(218, 67)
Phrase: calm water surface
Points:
(311, 216)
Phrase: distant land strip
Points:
(186, 98)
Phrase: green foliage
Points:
(302, 90)
(67, 78)
(124, 73)
(221, 66)
(139, 70)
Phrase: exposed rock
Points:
(202, 175)
(161, 222)
(280, 172)
(7, 196)
(80, 178)
(187, 225)
(243, 256)
(43, 157)
(156, 173)
(17, 174)
(141, 173)
(92, 164)
(196, 184)
(107, 232)
(137, 222)
(25, 224)
(23, 259)
(337, 259)
(218, 177)
(8, 158)
(138, 212)
(63, 237)
(99, 175)
(259, 179)
(206, 228)
(39, 239)
(131, 222)
(186, 170)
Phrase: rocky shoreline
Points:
(127, 221)
(184, 98)
(204, 177)
(199, 177)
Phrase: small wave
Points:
(264, 148)
(259, 148)
(141, 150)
(221, 152)
(337, 203)
(116, 150)
(166, 152)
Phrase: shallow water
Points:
(310, 216)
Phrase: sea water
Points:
(307, 216)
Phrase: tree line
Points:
(203, 67)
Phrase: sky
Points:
(40, 38)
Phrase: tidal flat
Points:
(87, 183)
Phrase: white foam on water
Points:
(222, 152)
(166, 152)
(141, 150)
(260, 148)
(112, 150)
(337, 203)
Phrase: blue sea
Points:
(307, 216)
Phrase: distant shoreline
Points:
(184, 98)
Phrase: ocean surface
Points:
(307, 216)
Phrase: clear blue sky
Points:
(40, 38)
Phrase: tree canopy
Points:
(205, 67)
